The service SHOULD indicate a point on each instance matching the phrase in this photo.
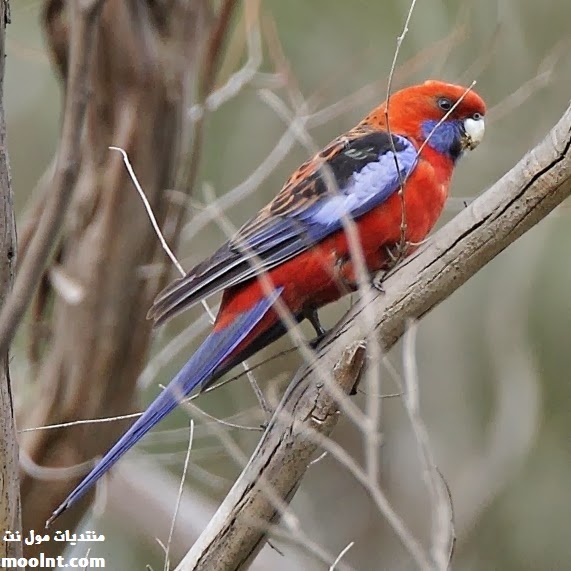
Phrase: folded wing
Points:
(348, 178)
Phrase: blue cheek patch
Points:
(446, 139)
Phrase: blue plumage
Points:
(366, 175)
(306, 225)
(305, 212)
(446, 138)
(197, 371)
(366, 188)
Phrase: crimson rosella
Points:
(299, 240)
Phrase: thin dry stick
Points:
(250, 184)
(79, 422)
(239, 79)
(370, 426)
(288, 517)
(411, 544)
(400, 40)
(257, 391)
(341, 555)
(47, 474)
(441, 505)
(370, 92)
(373, 405)
(83, 18)
(306, 543)
(189, 170)
(264, 405)
(179, 495)
(149, 210)
(229, 424)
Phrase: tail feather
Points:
(199, 369)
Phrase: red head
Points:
(415, 111)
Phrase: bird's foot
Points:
(314, 343)
(313, 317)
(393, 255)
(377, 281)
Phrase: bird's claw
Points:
(313, 317)
(314, 343)
(377, 281)
(394, 254)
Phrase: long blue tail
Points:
(198, 370)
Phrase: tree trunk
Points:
(10, 519)
(89, 333)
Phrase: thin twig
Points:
(47, 473)
(80, 422)
(411, 544)
(179, 495)
(238, 80)
(441, 506)
(341, 555)
(373, 405)
(165, 246)
(369, 422)
(400, 40)
(149, 210)
(264, 405)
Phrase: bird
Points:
(390, 175)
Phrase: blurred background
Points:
(494, 359)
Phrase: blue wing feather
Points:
(305, 212)
(365, 189)
(215, 350)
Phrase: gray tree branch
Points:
(520, 199)
(10, 518)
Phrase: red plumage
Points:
(312, 277)
(299, 241)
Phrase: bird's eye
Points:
(477, 116)
(444, 103)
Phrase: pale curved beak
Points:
(474, 130)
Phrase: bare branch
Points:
(441, 503)
(234, 533)
(141, 486)
(524, 196)
(179, 496)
